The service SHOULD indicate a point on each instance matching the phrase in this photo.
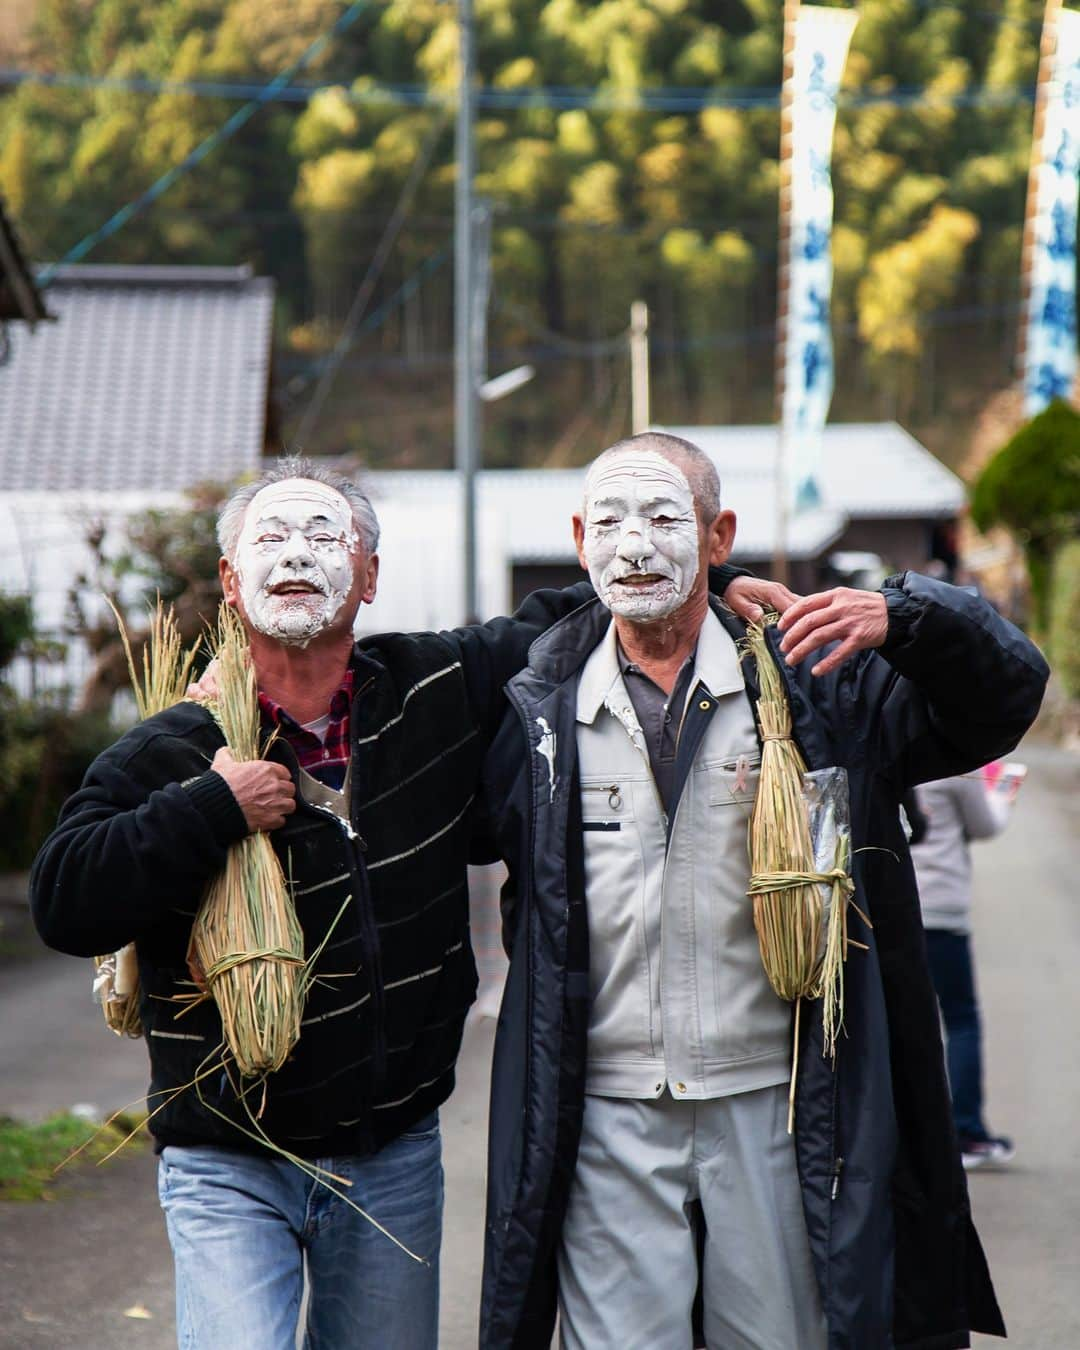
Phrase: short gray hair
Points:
(699, 469)
(230, 519)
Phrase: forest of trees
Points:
(629, 149)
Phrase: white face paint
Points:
(641, 535)
(294, 559)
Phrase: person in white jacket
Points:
(956, 811)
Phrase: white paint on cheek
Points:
(296, 531)
(640, 520)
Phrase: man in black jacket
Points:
(367, 793)
(616, 1042)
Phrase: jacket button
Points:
(680, 1087)
(704, 705)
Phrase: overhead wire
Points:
(371, 276)
(223, 133)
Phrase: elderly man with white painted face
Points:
(366, 793)
(639, 1148)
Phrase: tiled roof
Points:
(19, 297)
(153, 378)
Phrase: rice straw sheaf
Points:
(246, 943)
(165, 674)
(789, 893)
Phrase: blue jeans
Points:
(243, 1226)
(954, 981)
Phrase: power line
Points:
(561, 97)
(238, 119)
(371, 276)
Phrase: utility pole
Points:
(465, 381)
(639, 366)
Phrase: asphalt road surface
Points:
(90, 1268)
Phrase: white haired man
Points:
(367, 792)
(642, 1059)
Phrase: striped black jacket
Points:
(135, 847)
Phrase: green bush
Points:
(1032, 485)
(1063, 634)
(44, 752)
(44, 748)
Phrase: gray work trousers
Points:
(628, 1269)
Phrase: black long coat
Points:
(897, 1258)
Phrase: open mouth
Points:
(294, 588)
(641, 579)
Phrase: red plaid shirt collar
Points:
(326, 759)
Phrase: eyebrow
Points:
(651, 504)
(316, 519)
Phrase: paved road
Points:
(70, 1269)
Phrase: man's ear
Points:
(371, 580)
(721, 538)
(579, 540)
(230, 581)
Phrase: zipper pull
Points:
(837, 1168)
(614, 793)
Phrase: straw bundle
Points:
(246, 947)
(799, 911)
(166, 670)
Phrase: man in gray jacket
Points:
(642, 1059)
(956, 811)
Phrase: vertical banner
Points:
(1049, 339)
(817, 49)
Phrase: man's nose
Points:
(634, 540)
(297, 551)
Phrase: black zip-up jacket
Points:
(135, 847)
(150, 826)
(897, 1258)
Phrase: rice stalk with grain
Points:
(159, 681)
(247, 948)
(799, 911)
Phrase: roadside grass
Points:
(31, 1153)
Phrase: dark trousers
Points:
(953, 975)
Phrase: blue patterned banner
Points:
(1050, 346)
(821, 43)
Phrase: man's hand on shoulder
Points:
(748, 597)
(854, 619)
(263, 790)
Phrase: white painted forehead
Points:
(298, 495)
(645, 466)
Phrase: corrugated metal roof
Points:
(153, 379)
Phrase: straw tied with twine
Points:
(800, 912)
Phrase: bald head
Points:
(698, 468)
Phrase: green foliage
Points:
(929, 193)
(1032, 486)
(1063, 631)
(44, 748)
(171, 554)
(30, 1154)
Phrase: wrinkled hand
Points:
(205, 688)
(747, 595)
(263, 790)
(855, 619)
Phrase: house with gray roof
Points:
(151, 381)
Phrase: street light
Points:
(504, 384)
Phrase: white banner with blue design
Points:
(820, 50)
(1050, 348)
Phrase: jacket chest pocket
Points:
(733, 781)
